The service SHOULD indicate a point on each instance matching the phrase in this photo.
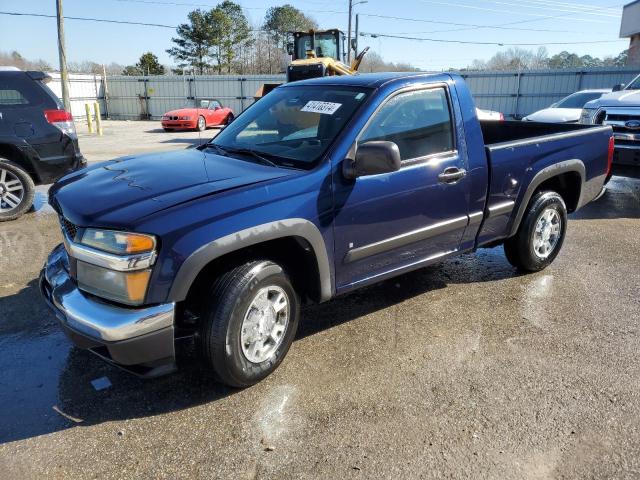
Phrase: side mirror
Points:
(618, 87)
(373, 158)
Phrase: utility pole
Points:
(355, 50)
(351, 5)
(62, 54)
(349, 34)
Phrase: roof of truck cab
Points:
(372, 80)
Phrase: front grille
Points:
(68, 228)
(619, 119)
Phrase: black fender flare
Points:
(567, 166)
(292, 227)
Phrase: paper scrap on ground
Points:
(101, 383)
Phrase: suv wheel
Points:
(250, 322)
(16, 191)
(540, 235)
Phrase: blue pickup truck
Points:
(319, 188)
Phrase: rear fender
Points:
(567, 166)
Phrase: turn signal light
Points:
(139, 243)
(137, 285)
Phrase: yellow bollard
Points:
(96, 109)
(87, 107)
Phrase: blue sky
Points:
(546, 21)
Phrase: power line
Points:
(89, 19)
(485, 9)
(439, 22)
(209, 5)
(500, 44)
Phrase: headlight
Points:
(120, 243)
(586, 116)
(104, 279)
(129, 288)
(185, 118)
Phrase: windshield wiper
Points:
(243, 151)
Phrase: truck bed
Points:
(510, 131)
(517, 152)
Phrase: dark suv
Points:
(38, 141)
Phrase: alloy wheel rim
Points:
(201, 123)
(265, 324)
(11, 191)
(547, 233)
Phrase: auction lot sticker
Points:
(316, 106)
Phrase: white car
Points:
(568, 109)
(489, 115)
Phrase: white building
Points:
(630, 28)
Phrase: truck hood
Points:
(121, 191)
(623, 98)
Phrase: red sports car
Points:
(209, 113)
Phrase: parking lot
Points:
(466, 369)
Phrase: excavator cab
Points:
(317, 44)
(316, 53)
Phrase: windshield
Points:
(634, 85)
(578, 99)
(293, 126)
(324, 45)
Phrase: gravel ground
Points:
(462, 370)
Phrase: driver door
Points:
(392, 221)
(216, 113)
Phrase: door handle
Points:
(451, 175)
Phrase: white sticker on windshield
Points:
(316, 106)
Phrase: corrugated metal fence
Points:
(514, 93)
(517, 94)
(150, 97)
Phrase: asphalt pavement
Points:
(466, 369)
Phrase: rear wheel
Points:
(250, 322)
(540, 235)
(16, 191)
(202, 124)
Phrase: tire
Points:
(16, 191)
(540, 235)
(229, 118)
(168, 129)
(201, 126)
(233, 325)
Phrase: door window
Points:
(419, 122)
(214, 104)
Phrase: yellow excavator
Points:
(316, 53)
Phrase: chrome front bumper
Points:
(140, 339)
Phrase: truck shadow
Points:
(621, 200)
(47, 381)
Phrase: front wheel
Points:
(228, 119)
(250, 322)
(16, 191)
(540, 235)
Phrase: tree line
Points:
(523, 59)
